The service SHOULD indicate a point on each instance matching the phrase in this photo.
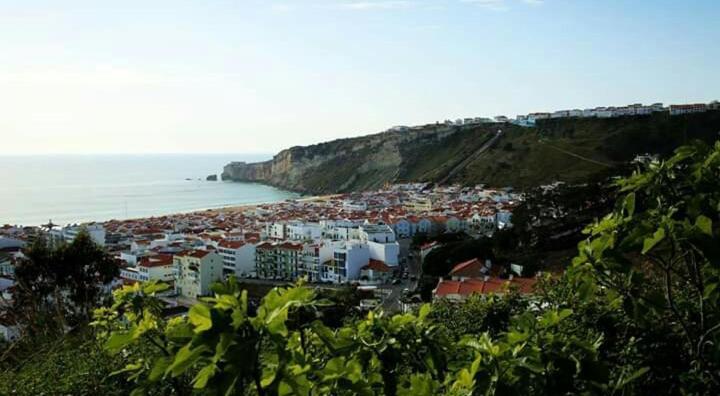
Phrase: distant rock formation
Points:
(212, 178)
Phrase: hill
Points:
(494, 154)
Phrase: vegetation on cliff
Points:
(570, 150)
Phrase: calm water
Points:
(68, 189)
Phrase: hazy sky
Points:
(258, 76)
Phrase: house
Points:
(426, 248)
(300, 231)
(403, 228)
(687, 108)
(470, 269)
(159, 267)
(418, 205)
(195, 271)
(375, 272)
(459, 290)
(501, 118)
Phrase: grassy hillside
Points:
(563, 149)
(573, 149)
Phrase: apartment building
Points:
(195, 271)
(238, 257)
(279, 260)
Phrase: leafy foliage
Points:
(636, 313)
(58, 285)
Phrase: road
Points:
(472, 157)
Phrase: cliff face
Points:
(567, 150)
(350, 164)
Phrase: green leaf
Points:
(650, 243)
(119, 340)
(158, 370)
(704, 224)
(709, 289)
(130, 368)
(424, 312)
(185, 358)
(632, 377)
(199, 316)
(630, 204)
(201, 379)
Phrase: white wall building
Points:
(348, 259)
(238, 258)
(299, 231)
(195, 271)
(68, 234)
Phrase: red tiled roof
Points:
(377, 265)
(469, 269)
(264, 246)
(156, 261)
(231, 244)
(195, 253)
(291, 246)
(492, 285)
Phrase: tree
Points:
(658, 253)
(60, 284)
(636, 313)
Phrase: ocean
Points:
(77, 188)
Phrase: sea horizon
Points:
(76, 188)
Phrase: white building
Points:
(354, 206)
(151, 268)
(501, 118)
(349, 257)
(387, 252)
(195, 271)
(276, 231)
(299, 231)
(314, 255)
(238, 257)
(68, 234)
(381, 243)
(687, 108)
(377, 233)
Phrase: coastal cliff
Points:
(358, 163)
(565, 149)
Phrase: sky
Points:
(245, 76)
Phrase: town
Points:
(361, 239)
(530, 120)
